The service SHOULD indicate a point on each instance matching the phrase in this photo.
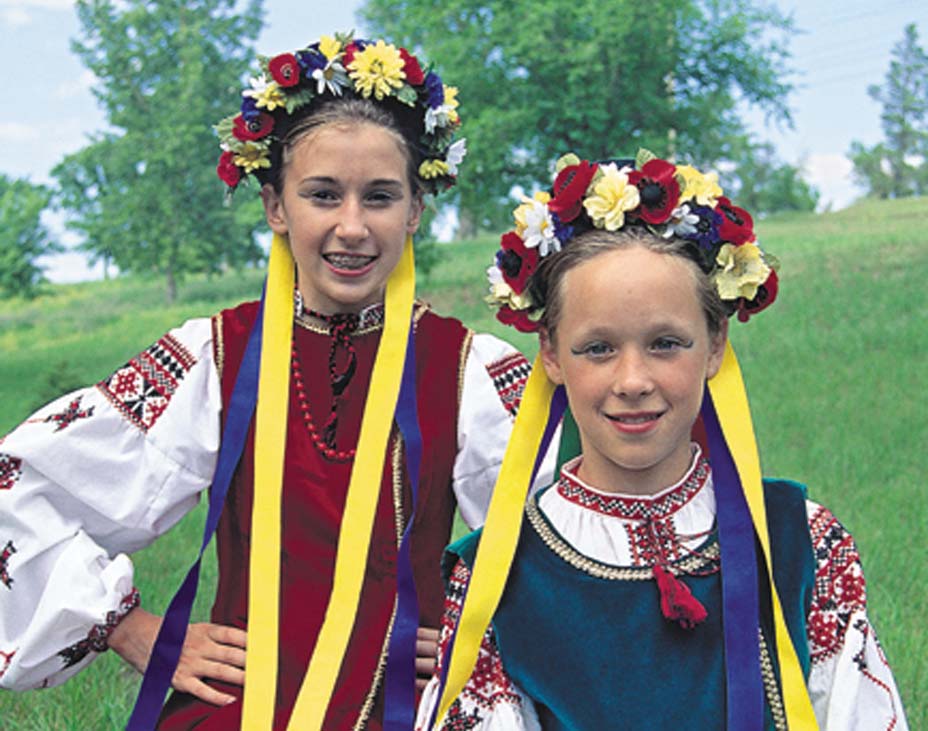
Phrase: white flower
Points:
(535, 226)
(333, 77)
(258, 86)
(502, 294)
(455, 155)
(681, 223)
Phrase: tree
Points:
(538, 78)
(762, 184)
(897, 166)
(145, 194)
(23, 238)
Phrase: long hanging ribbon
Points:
(360, 505)
(270, 443)
(167, 649)
(730, 403)
(537, 412)
(400, 677)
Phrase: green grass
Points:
(834, 369)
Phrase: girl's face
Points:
(633, 351)
(347, 206)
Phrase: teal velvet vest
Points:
(595, 653)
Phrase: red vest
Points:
(314, 494)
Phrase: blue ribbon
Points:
(167, 649)
(740, 601)
(400, 682)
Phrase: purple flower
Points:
(435, 89)
(311, 60)
(250, 109)
(707, 228)
(562, 231)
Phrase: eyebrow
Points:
(392, 182)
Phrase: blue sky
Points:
(841, 47)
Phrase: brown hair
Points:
(344, 111)
(546, 282)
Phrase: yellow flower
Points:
(433, 169)
(251, 157)
(704, 188)
(742, 270)
(612, 196)
(329, 47)
(377, 70)
(270, 97)
(451, 103)
(502, 294)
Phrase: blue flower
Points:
(435, 89)
(250, 109)
(311, 60)
(707, 228)
(562, 231)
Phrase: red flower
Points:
(227, 170)
(518, 319)
(569, 188)
(350, 50)
(737, 225)
(412, 68)
(658, 189)
(244, 130)
(285, 69)
(766, 294)
(516, 261)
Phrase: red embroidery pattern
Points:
(488, 686)
(98, 637)
(6, 659)
(509, 375)
(8, 550)
(862, 626)
(840, 589)
(636, 508)
(72, 413)
(142, 389)
(11, 469)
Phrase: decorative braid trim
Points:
(219, 344)
(771, 685)
(707, 557)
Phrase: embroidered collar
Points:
(634, 507)
(369, 319)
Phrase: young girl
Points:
(616, 612)
(344, 136)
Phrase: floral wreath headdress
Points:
(669, 200)
(342, 66)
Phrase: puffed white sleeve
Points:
(850, 682)
(490, 700)
(95, 475)
(494, 379)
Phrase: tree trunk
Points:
(171, 285)
(467, 224)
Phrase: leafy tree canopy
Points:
(144, 194)
(23, 238)
(897, 166)
(538, 78)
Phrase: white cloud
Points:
(75, 87)
(18, 132)
(831, 174)
(14, 17)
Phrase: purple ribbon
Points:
(400, 681)
(740, 601)
(167, 649)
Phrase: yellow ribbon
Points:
(731, 405)
(270, 441)
(357, 519)
(500, 533)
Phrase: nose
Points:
(351, 226)
(632, 376)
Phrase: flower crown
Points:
(331, 68)
(669, 200)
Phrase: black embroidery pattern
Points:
(11, 469)
(72, 413)
(8, 550)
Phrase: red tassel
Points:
(677, 601)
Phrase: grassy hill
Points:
(836, 374)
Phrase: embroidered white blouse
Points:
(851, 685)
(102, 472)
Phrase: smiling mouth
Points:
(348, 262)
(635, 418)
